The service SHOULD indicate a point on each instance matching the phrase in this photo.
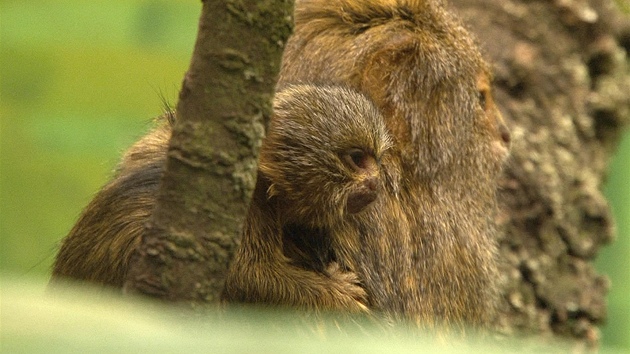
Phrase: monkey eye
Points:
(357, 159)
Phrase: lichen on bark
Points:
(211, 167)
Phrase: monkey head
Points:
(322, 153)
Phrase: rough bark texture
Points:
(563, 84)
(211, 167)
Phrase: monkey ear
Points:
(391, 61)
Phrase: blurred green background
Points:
(80, 81)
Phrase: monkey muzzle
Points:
(363, 195)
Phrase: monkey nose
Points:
(363, 195)
(357, 201)
(371, 183)
(505, 134)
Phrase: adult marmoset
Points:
(427, 251)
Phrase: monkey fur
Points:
(424, 250)
(319, 167)
(427, 251)
(100, 245)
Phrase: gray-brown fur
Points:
(309, 187)
(427, 250)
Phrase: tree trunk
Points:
(563, 84)
(211, 166)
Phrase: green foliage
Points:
(80, 81)
(612, 260)
(82, 320)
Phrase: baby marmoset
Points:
(320, 166)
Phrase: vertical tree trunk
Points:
(563, 84)
(211, 166)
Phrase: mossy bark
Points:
(211, 166)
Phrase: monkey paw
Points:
(348, 285)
